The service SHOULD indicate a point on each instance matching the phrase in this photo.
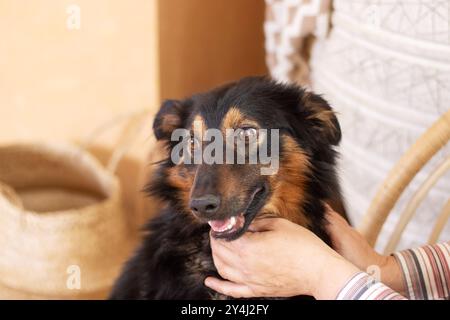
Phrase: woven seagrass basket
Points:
(64, 233)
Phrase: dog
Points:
(223, 199)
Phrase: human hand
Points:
(349, 243)
(281, 259)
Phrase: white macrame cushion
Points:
(385, 67)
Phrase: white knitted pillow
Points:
(385, 67)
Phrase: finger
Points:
(339, 230)
(230, 273)
(229, 288)
(329, 210)
(219, 257)
(333, 215)
(223, 248)
(263, 224)
(230, 247)
(336, 221)
(228, 266)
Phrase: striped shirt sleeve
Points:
(364, 287)
(425, 271)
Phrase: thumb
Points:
(263, 224)
(335, 219)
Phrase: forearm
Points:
(335, 274)
(391, 275)
(364, 287)
(341, 280)
(425, 271)
(421, 274)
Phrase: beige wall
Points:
(60, 83)
(205, 43)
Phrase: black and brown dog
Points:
(223, 199)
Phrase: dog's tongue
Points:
(222, 225)
(227, 224)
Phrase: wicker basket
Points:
(61, 216)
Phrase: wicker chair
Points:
(398, 179)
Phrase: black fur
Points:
(175, 256)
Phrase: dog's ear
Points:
(169, 117)
(320, 115)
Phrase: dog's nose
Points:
(206, 205)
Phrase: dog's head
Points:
(208, 135)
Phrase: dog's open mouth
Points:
(231, 224)
(234, 226)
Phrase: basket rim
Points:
(63, 150)
(23, 227)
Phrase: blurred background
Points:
(84, 72)
(67, 66)
(92, 74)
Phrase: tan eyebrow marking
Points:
(199, 125)
(235, 119)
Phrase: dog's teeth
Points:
(231, 223)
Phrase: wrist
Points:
(391, 274)
(334, 275)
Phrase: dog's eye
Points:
(247, 133)
(194, 143)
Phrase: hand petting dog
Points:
(234, 154)
(282, 259)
